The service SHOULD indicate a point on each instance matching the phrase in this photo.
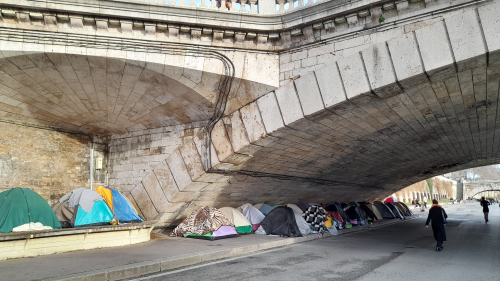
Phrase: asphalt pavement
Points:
(404, 251)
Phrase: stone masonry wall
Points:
(134, 155)
(50, 163)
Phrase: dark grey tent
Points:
(385, 212)
(395, 210)
(281, 221)
(403, 208)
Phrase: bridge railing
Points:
(240, 6)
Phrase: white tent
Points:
(241, 223)
(253, 215)
(295, 208)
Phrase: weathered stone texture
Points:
(48, 162)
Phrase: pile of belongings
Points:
(82, 207)
(237, 219)
(22, 209)
(315, 216)
(121, 207)
(252, 214)
(206, 223)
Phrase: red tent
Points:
(390, 200)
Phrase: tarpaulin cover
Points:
(385, 212)
(281, 221)
(315, 216)
(99, 214)
(20, 206)
(202, 221)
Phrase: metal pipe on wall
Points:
(91, 166)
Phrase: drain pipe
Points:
(92, 165)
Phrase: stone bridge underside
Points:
(361, 128)
(418, 105)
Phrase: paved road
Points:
(403, 251)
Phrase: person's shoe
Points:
(440, 248)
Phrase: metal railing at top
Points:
(240, 6)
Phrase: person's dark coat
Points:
(437, 222)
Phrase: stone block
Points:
(435, 51)
(192, 160)
(178, 170)
(490, 20)
(155, 191)
(269, 111)
(289, 104)
(221, 141)
(467, 40)
(238, 135)
(166, 180)
(330, 85)
(406, 59)
(254, 125)
(309, 94)
(354, 77)
(379, 69)
(144, 202)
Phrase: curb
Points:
(154, 266)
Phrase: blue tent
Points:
(82, 207)
(264, 208)
(119, 204)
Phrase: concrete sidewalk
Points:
(159, 254)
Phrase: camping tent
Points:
(368, 212)
(89, 206)
(253, 215)
(264, 208)
(20, 206)
(403, 208)
(281, 221)
(375, 211)
(315, 216)
(385, 212)
(206, 223)
(390, 200)
(395, 210)
(303, 206)
(295, 208)
(238, 219)
(358, 214)
(119, 205)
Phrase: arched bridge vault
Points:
(106, 86)
(421, 104)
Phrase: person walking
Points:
(425, 202)
(486, 210)
(437, 216)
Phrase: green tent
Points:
(20, 206)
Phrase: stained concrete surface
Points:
(402, 251)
